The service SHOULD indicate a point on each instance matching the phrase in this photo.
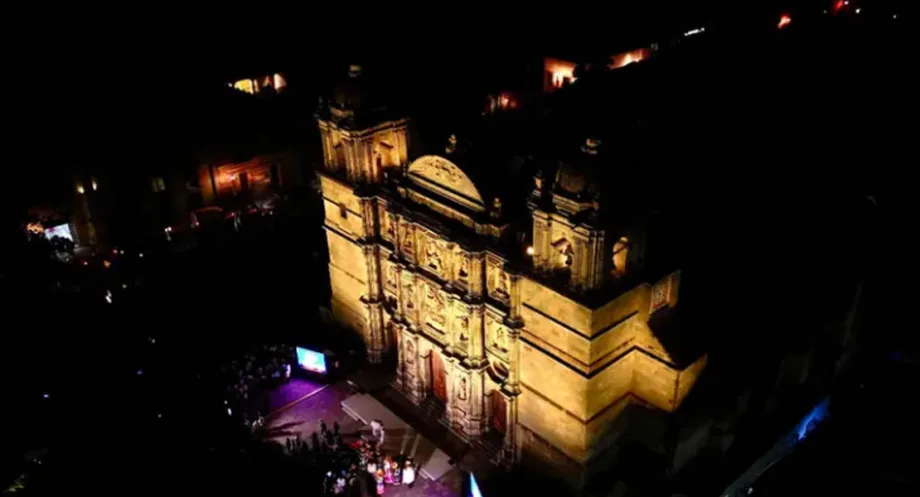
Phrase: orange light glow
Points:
(630, 57)
(80, 189)
(784, 21)
(562, 72)
(36, 228)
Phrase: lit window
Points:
(246, 86)
(158, 184)
(279, 82)
(80, 189)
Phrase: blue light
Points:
(812, 419)
(311, 360)
(474, 487)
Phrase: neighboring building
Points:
(543, 349)
(269, 82)
(560, 72)
(257, 179)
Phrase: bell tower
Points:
(362, 140)
(573, 239)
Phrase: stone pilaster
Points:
(541, 240)
(370, 223)
(400, 355)
(475, 412)
(580, 264)
(510, 443)
(375, 331)
(477, 277)
(376, 339)
(476, 348)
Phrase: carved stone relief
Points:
(498, 281)
(434, 308)
(497, 335)
(408, 244)
(463, 271)
(390, 275)
(434, 256)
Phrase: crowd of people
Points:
(356, 469)
(256, 372)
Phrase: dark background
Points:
(767, 147)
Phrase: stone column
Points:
(477, 274)
(400, 355)
(515, 297)
(398, 314)
(401, 145)
(539, 234)
(375, 332)
(475, 399)
(477, 335)
(369, 217)
(580, 253)
(376, 341)
(601, 255)
(511, 389)
(450, 376)
(509, 445)
(327, 145)
(413, 367)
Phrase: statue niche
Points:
(464, 323)
(463, 273)
(391, 276)
(461, 390)
(410, 296)
(434, 307)
(433, 256)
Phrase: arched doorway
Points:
(438, 377)
(499, 412)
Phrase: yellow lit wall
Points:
(552, 303)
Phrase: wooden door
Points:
(438, 377)
(499, 412)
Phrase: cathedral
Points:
(529, 324)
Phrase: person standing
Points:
(408, 474)
(380, 486)
(397, 473)
(381, 436)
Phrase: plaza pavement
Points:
(303, 418)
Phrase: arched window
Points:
(564, 255)
(620, 253)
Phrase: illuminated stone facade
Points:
(429, 271)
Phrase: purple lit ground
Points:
(303, 419)
(296, 389)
